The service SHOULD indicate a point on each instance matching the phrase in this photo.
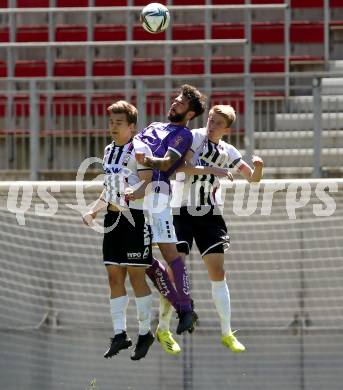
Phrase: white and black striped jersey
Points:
(201, 190)
(121, 171)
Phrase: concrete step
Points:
(336, 66)
(304, 121)
(332, 157)
(297, 139)
(299, 172)
(332, 86)
(305, 104)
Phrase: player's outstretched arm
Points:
(162, 164)
(189, 169)
(252, 175)
(139, 192)
(98, 205)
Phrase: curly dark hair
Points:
(196, 100)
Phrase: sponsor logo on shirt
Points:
(146, 252)
(178, 140)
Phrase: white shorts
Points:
(162, 227)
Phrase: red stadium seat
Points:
(188, 66)
(101, 102)
(69, 105)
(97, 3)
(3, 101)
(184, 31)
(236, 100)
(307, 3)
(109, 32)
(300, 32)
(267, 65)
(4, 34)
(149, 66)
(227, 65)
(262, 32)
(74, 33)
(139, 34)
(21, 105)
(32, 33)
(69, 68)
(189, 2)
(32, 3)
(307, 32)
(145, 2)
(3, 69)
(74, 3)
(108, 68)
(110, 3)
(3, 3)
(227, 31)
(267, 33)
(30, 68)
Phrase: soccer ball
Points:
(155, 18)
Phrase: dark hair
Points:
(196, 100)
(123, 107)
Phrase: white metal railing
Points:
(73, 132)
(232, 7)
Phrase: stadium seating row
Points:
(262, 33)
(75, 104)
(151, 66)
(111, 3)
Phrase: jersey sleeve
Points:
(181, 142)
(235, 157)
(140, 146)
(199, 137)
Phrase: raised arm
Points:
(162, 164)
(145, 177)
(252, 175)
(188, 168)
(98, 205)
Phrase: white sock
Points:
(221, 298)
(118, 313)
(165, 313)
(144, 305)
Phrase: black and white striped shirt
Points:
(121, 171)
(198, 190)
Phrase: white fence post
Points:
(317, 127)
(34, 131)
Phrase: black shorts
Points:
(208, 230)
(126, 244)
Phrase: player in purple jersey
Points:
(169, 143)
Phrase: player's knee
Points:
(115, 281)
(139, 284)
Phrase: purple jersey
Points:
(161, 137)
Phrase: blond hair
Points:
(123, 107)
(226, 111)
